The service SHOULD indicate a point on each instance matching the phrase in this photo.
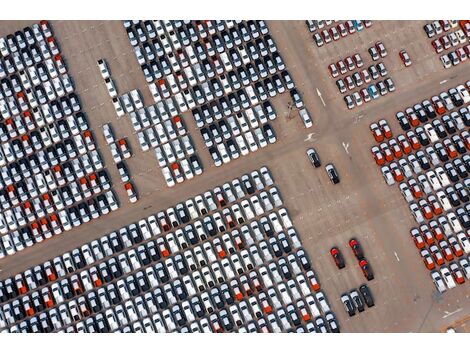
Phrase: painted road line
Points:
(448, 314)
(320, 96)
(396, 256)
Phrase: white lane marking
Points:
(442, 82)
(396, 256)
(346, 147)
(451, 313)
(309, 137)
(320, 96)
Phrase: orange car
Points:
(427, 259)
(378, 156)
(376, 132)
(385, 128)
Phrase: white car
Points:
(437, 279)
(118, 107)
(103, 67)
(447, 276)
(108, 133)
(305, 116)
(387, 174)
(463, 93)
(111, 87)
(170, 181)
(136, 99)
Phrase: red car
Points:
(427, 259)
(446, 251)
(356, 248)
(417, 238)
(338, 257)
(438, 105)
(414, 141)
(376, 132)
(415, 189)
(427, 235)
(378, 156)
(386, 151)
(397, 152)
(405, 58)
(333, 70)
(457, 273)
(396, 172)
(385, 128)
(404, 144)
(414, 121)
(438, 233)
(426, 209)
(435, 205)
(437, 255)
(366, 269)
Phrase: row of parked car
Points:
(431, 164)
(441, 104)
(222, 71)
(334, 32)
(357, 300)
(157, 276)
(438, 27)
(454, 58)
(52, 175)
(451, 34)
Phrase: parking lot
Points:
(361, 206)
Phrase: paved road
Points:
(325, 215)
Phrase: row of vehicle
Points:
(156, 277)
(172, 35)
(232, 148)
(52, 176)
(202, 205)
(253, 91)
(434, 154)
(372, 92)
(447, 41)
(358, 253)
(236, 121)
(355, 300)
(445, 250)
(440, 104)
(439, 178)
(196, 80)
(349, 63)
(336, 32)
(439, 230)
(108, 80)
(357, 79)
(454, 58)
(22, 184)
(446, 277)
(43, 125)
(56, 223)
(289, 291)
(45, 141)
(132, 101)
(439, 26)
(241, 317)
(448, 197)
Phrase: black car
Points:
(366, 295)
(403, 121)
(357, 300)
(314, 157)
(332, 173)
